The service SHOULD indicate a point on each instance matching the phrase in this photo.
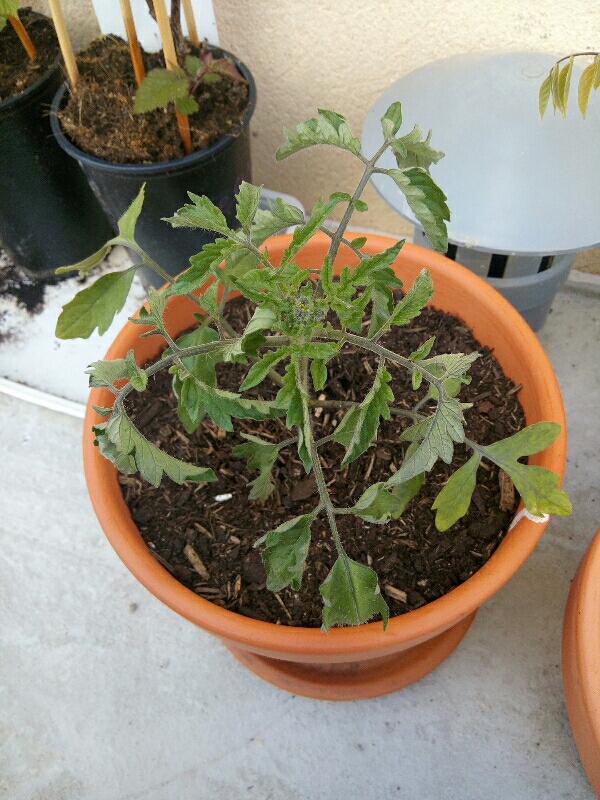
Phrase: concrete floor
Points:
(108, 695)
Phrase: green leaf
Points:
(201, 213)
(586, 82)
(391, 121)
(95, 306)
(137, 376)
(159, 88)
(285, 553)
(105, 373)
(423, 351)
(192, 65)
(128, 220)
(261, 455)
(124, 462)
(328, 128)
(427, 201)
(248, 199)
(151, 462)
(379, 503)
(303, 233)
(438, 434)
(202, 264)
(292, 397)
(537, 486)
(279, 216)
(454, 500)
(88, 263)
(414, 151)
(264, 318)
(259, 371)
(417, 297)
(351, 595)
(186, 105)
(358, 243)
(373, 264)
(564, 83)
(318, 373)
(544, 94)
(358, 429)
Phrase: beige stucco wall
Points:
(306, 54)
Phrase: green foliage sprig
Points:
(557, 84)
(289, 327)
(178, 85)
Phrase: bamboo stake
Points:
(19, 29)
(190, 22)
(64, 41)
(166, 37)
(134, 45)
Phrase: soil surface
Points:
(415, 563)
(99, 117)
(17, 72)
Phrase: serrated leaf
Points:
(537, 486)
(373, 264)
(454, 500)
(95, 306)
(391, 121)
(292, 397)
(351, 595)
(285, 553)
(328, 128)
(379, 503)
(137, 376)
(151, 462)
(124, 462)
(279, 216)
(358, 429)
(186, 105)
(202, 264)
(427, 201)
(423, 351)
(261, 455)
(159, 88)
(248, 199)
(438, 434)
(263, 318)
(201, 213)
(303, 233)
(259, 371)
(417, 297)
(128, 220)
(105, 373)
(414, 151)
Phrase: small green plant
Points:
(557, 84)
(162, 86)
(9, 12)
(291, 326)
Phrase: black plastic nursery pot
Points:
(215, 172)
(49, 217)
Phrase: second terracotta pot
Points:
(366, 661)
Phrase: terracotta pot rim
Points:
(413, 626)
(581, 660)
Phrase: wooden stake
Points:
(64, 41)
(166, 38)
(19, 29)
(191, 22)
(134, 45)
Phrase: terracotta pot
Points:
(366, 661)
(581, 661)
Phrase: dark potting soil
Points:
(99, 117)
(17, 72)
(415, 563)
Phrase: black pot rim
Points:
(26, 94)
(159, 167)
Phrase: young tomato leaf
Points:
(427, 202)
(248, 199)
(201, 213)
(95, 306)
(159, 88)
(351, 595)
(105, 373)
(454, 500)
(379, 504)
(358, 428)
(128, 220)
(285, 552)
(151, 462)
(261, 455)
(537, 486)
(259, 371)
(391, 121)
(419, 294)
(292, 397)
(318, 373)
(328, 128)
